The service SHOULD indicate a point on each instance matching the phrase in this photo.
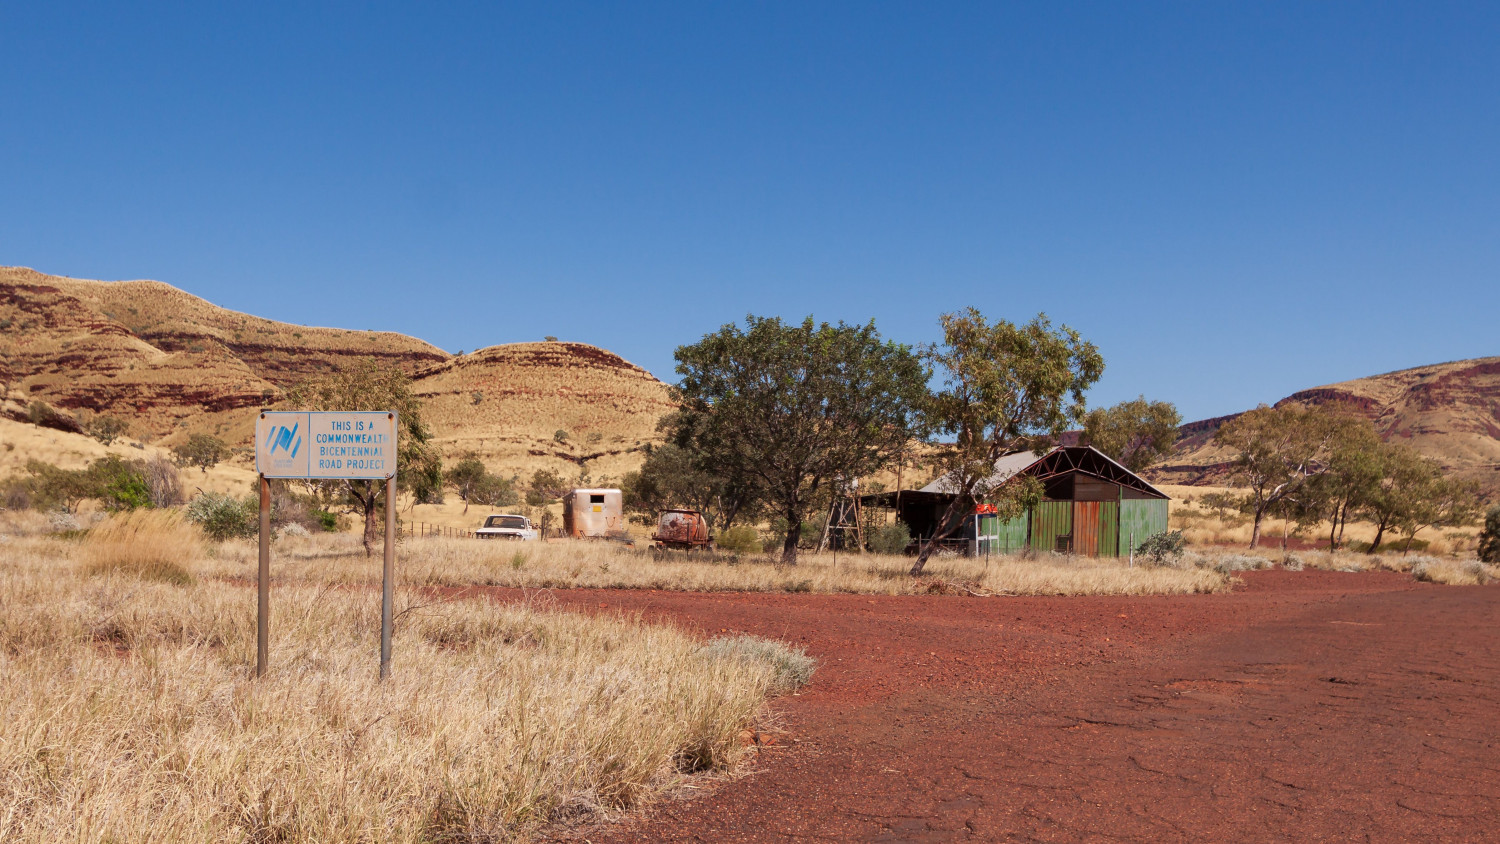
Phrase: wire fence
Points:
(424, 530)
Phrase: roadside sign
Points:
(351, 445)
(326, 444)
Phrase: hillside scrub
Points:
(128, 712)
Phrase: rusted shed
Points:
(1093, 507)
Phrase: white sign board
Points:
(326, 444)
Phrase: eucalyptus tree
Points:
(1005, 388)
(368, 386)
(797, 408)
(1133, 433)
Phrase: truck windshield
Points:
(517, 522)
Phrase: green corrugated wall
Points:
(1140, 518)
(1002, 537)
(1050, 520)
(1012, 535)
(1109, 525)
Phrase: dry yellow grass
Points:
(127, 711)
(150, 544)
(1455, 572)
(577, 564)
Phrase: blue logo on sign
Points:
(285, 439)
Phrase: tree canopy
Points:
(797, 407)
(1005, 387)
(1278, 451)
(368, 386)
(1133, 433)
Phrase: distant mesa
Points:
(1448, 411)
(173, 364)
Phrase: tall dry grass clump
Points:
(151, 544)
(128, 713)
(1454, 572)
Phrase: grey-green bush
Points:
(740, 539)
(890, 539)
(794, 668)
(1162, 549)
(223, 517)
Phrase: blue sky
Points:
(1234, 201)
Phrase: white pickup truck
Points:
(506, 526)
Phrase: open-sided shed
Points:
(1093, 506)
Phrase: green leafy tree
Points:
(465, 476)
(545, 487)
(52, 487)
(495, 491)
(677, 476)
(1133, 433)
(1278, 451)
(1489, 536)
(1005, 388)
(1438, 501)
(798, 406)
(1407, 479)
(105, 429)
(476, 485)
(118, 483)
(1222, 503)
(204, 451)
(1356, 462)
(368, 386)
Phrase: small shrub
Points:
(1292, 562)
(890, 539)
(740, 539)
(150, 544)
(1230, 563)
(120, 484)
(296, 530)
(793, 667)
(1451, 572)
(163, 482)
(329, 522)
(203, 451)
(1489, 537)
(61, 521)
(1162, 549)
(15, 494)
(105, 429)
(223, 517)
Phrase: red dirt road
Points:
(1305, 706)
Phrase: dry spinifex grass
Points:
(127, 712)
(151, 544)
(547, 565)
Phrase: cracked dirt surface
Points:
(1304, 706)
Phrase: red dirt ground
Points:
(1304, 706)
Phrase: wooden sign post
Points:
(325, 445)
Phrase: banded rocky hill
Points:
(172, 364)
(1448, 411)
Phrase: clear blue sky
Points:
(1234, 201)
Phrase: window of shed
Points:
(596, 499)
